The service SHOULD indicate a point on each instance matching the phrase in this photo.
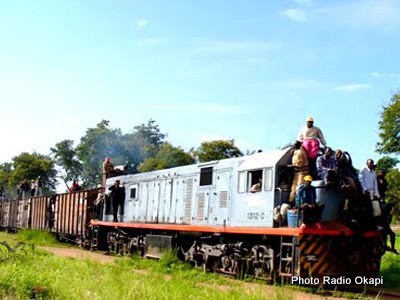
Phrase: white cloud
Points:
(352, 87)
(142, 23)
(382, 14)
(295, 14)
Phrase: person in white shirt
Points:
(367, 177)
(311, 136)
(311, 132)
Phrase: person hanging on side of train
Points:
(327, 168)
(75, 187)
(311, 137)
(300, 165)
(107, 168)
(117, 196)
(99, 203)
(382, 183)
(306, 200)
(387, 231)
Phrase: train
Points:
(208, 216)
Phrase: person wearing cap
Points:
(306, 200)
(311, 136)
(309, 131)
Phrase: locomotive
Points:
(209, 216)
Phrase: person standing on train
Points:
(108, 167)
(117, 197)
(311, 136)
(368, 180)
(306, 200)
(300, 165)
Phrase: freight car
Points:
(207, 214)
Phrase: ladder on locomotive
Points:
(288, 257)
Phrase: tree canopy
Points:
(28, 166)
(65, 156)
(389, 127)
(389, 134)
(167, 157)
(217, 149)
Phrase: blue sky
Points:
(245, 70)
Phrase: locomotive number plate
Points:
(255, 216)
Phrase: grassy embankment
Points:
(43, 275)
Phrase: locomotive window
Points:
(206, 176)
(253, 178)
(134, 192)
(242, 182)
(268, 180)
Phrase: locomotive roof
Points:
(266, 159)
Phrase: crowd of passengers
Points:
(335, 169)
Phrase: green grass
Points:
(390, 267)
(41, 275)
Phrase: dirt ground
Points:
(80, 254)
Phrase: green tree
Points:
(5, 174)
(149, 137)
(94, 146)
(129, 149)
(27, 166)
(218, 149)
(167, 157)
(65, 156)
(389, 127)
(387, 163)
(389, 134)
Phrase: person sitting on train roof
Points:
(300, 165)
(327, 168)
(346, 172)
(75, 186)
(306, 200)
